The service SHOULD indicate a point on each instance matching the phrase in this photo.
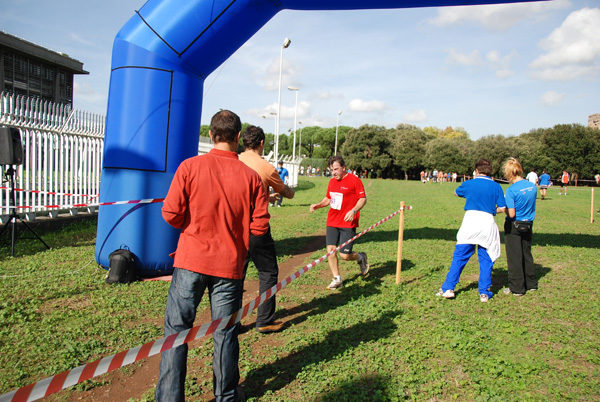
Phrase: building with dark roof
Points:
(34, 71)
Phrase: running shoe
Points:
(335, 284)
(448, 294)
(364, 265)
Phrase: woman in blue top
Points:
(520, 213)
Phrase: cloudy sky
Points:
(499, 69)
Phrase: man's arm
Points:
(352, 213)
(175, 203)
(287, 192)
(321, 204)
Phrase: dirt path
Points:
(138, 378)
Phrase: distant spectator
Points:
(544, 183)
(532, 177)
(564, 181)
(285, 178)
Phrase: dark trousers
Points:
(521, 271)
(263, 255)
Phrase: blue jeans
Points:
(462, 254)
(185, 293)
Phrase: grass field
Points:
(371, 341)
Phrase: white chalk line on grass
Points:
(87, 371)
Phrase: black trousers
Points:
(521, 271)
(263, 254)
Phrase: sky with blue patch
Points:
(497, 69)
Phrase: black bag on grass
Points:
(122, 267)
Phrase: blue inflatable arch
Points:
(160, 60)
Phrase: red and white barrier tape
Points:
(77, 375)
(51, 192)
(145, 201)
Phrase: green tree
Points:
(448, 155)
(367, 147)
(574, 148)
(495, 148)
(408, 149)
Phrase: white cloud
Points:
(551, 98)
(359, 105)
(501, 64)
(326, 95)
(504, 73)
(457, 58)
(289, 72)
(497, 17)
(287, 112)
(493, 59)
(415, 116)
(572, 50)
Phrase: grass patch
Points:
(372, 340)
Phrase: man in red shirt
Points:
(217, 202)
(345, 197)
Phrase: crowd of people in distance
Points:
(438, 176)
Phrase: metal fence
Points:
(62, 156)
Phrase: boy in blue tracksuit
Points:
(484, 199)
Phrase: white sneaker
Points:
(448, 294)
(335, 284)
(483, 298)
(507, 291)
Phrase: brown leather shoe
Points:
(276, 326)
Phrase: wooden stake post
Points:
(592, 215)
(400, 241)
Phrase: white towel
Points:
(480, 228)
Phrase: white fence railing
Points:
(62, 155)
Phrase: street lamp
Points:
(286, 44)
(337, 125)
(295, 117)
(300, 142)
(275, 122)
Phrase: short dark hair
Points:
(336, 158)
(484, 167)
(252, 137)
(224, 126)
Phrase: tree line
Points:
(406, 150)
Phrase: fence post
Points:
(592, 213)
(400, 241)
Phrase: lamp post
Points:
(337, 125)
(295, 118)
(286, 44)
(300, 141)
(274, 128)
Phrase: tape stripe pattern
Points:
(72, 377)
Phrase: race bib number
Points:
(336, 200)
